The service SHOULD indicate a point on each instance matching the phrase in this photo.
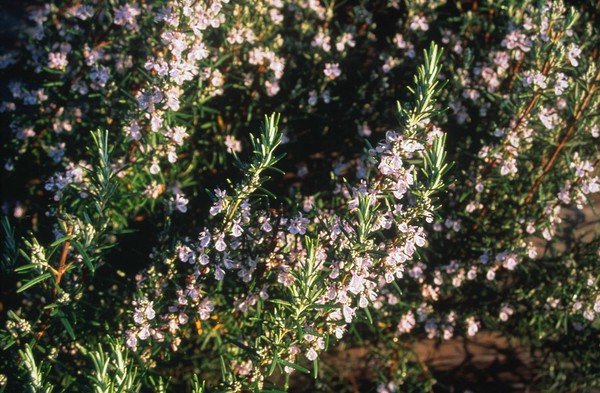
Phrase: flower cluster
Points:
(140, 217)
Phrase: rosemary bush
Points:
(211, 195)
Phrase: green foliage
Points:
(150, 242)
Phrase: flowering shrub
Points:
(151, 242)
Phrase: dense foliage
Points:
(210, 195)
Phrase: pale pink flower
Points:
(589, 314)
(573, 54)
(356, 284)
(419, 23)
(322, 40)
(232, 144)
(311, 354)
(57, 60)
(276, 16)
(343, 41)
(537, 79)
(399, 41)
(407, 323)
(332, 70)
(272, 87)
(285, 278)
(472, 326)
(505, 312)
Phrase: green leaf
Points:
(294, 366)
(34, 281)
(61, 240)
(65, 321)
(86, 257)
(27, 267)
(279, 301)
(368, 314)
(274, 362)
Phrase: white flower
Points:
(133, 131)
(186, 254)
(219, 273)
(138, 317)
(266, 226)
(100, 75)
(144, 333)
(509, 166)
(125, 16)
(220, 203)
(356, 285)
(178, 133)
(348, 313)
(510, 262)
(220, 243)
(298, 225)
(236, 229)
(131, 340)
(181, 202)
(205, 308)
(548, 118)
(182, 318)
(574, 54)
(312, 98)
(149, 312)
(560, 84)
(154, 168)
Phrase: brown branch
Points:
(62, 268)
(564, 140)
(545, 70)
(575, 184)
(546, 67)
